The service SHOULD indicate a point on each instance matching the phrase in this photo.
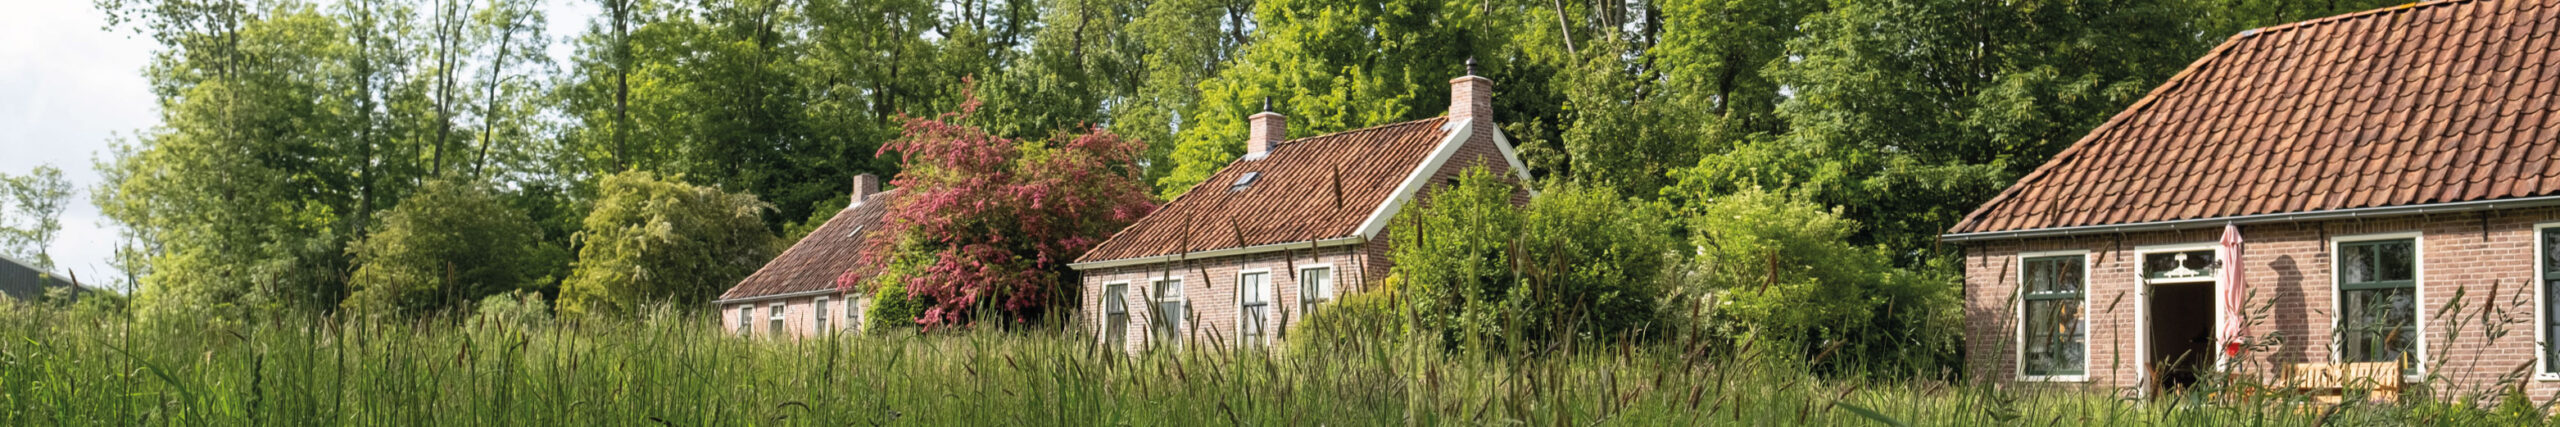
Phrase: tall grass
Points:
(61, 367)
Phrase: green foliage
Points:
(1782, 271)
(31, 214)
(892, 307)
(652, 241)
(1576, 262)
(243, 198)
(450, 243)
(1330, 67)
(514, 309)
(1371, 317)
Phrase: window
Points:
(818, 316)
(1244, 182)
(1115, 315)
(746, 319)
(1253, 303)
(2054, 339)
(777, 317)
(1167, 319)
(2378, 301)
(853, 309)
(2179, 266)
(2549, 236)
(1315, 286)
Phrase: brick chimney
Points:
(1269, 129)
(864, 186)
(1471, 97)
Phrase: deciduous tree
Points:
(989, 223)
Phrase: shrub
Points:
(1370, 317)
(1578, 262)
(519, 309)
(990, 222)
(652, 240)
(1781, 270)
(448, 244)
(891, 309)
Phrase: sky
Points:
(68, 86)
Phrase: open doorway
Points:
(2181, 334)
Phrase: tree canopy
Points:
(289, 131)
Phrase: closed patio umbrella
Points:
(2234, 290)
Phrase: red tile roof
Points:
(1304, 190)
(2441, 102)
(813, 263)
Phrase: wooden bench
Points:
(2329, 383)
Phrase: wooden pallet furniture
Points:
(2330, 383)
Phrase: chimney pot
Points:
(864, 186)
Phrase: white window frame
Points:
(2417, 290)
(1177, 335)
(1332, 286)
(818, 322)
(1270, 296)
(777, 310)
(746, 319)
(2018, 298)
(2541, 309)
(1116, 288)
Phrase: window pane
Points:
(2551, 298)
(1315, 285)
(1169, 316)
(1251, 288)
(2379, 325)
(1116, 329)
(2056, 275)
(2039, 275)
(2355, 264)
(2398, 260)
(2551, 319)
(2178, 265)
(2551, 251)
(1112, 299)
(2054, 338)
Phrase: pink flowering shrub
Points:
(992, 220)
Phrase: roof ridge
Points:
(2349, 16)
(1360, 130)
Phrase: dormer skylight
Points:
(1244, 182)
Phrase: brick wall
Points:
(2484, 258)
(1209, 287)
(798, 317)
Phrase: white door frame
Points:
(2142, 308)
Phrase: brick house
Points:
(795, 295)
(1282, 230)
(2379, 164)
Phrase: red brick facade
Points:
(2487, 258)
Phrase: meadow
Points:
(63, 367)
